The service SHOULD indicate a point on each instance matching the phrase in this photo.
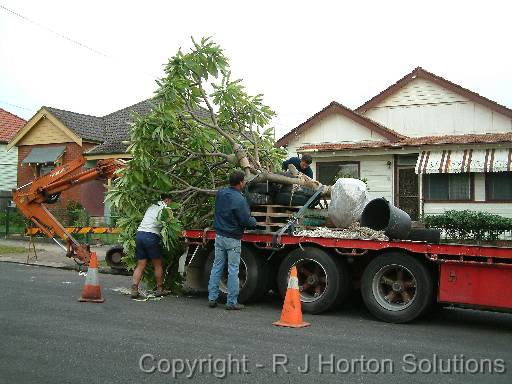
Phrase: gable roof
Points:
(117, 128)
(85, 126)
(10, 124)
(423, 74)
(333, 108)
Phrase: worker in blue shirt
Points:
(302, 164)
(232, 216)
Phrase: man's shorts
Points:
(147, 246)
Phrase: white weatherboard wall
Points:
(8, 168)
(423, 108)
(495, 208)
(335, 128)
(374, 168)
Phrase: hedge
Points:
(470, 225)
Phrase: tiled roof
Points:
(108, 148)
(86, 126)
(117, 127)
(10, 124)
(335, 107)
(423, 74)
(489, 138)
(117, 124)
(458, 139)
(346, 146)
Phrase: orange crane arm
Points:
(31, 197)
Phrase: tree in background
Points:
(203, 126)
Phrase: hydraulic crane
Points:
(30, 199)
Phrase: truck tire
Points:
(264, 188)
(397, 287)
(254, 198)
(429, 235)
(113, 257)
(253, 276)
(323, 281)
(297, 199)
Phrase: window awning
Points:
(42, 155)
(469, 160)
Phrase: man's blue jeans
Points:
(228, 249)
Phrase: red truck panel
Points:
(476, 284)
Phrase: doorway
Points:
(407, 192)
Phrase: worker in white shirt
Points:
(147, 246)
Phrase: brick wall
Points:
(91, 195)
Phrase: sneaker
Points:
(212, 303)
(161, 293)
(135, 292)
(234, 307)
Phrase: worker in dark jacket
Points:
(232, 216)
(302, 164)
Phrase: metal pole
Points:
(7, 210)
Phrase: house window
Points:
(328, 173)
(448, 187)
(498, 186)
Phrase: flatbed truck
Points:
(399, 281)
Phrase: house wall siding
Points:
(421, 91)
(374, 168)
(44, 132)
(502, 209)
(423, 108)
(8, 168)
(334, 129)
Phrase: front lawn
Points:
(5, 249)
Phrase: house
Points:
(10, 124)
(53, 137)
(424, 143)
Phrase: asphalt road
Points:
(49, 337)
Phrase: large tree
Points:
(203, 126)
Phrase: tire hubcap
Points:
(312, 280)
(394, 287)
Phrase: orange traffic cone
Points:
(92, 290)
(292, 313)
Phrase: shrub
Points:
(471, 225)
(16, 220)
(76, 214)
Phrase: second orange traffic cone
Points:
(292, 312)
(92, 290)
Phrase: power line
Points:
(17, 106)
(97, 52)
(53, 31)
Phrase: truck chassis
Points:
(399, 280)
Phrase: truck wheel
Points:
(429, 235)
(264, 188)
(297, 199)
(322, 281)
(113, 257)
(397, 288)
(254, 198)
(253, 276)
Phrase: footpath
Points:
(47, 255)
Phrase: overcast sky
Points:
(300, 55)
